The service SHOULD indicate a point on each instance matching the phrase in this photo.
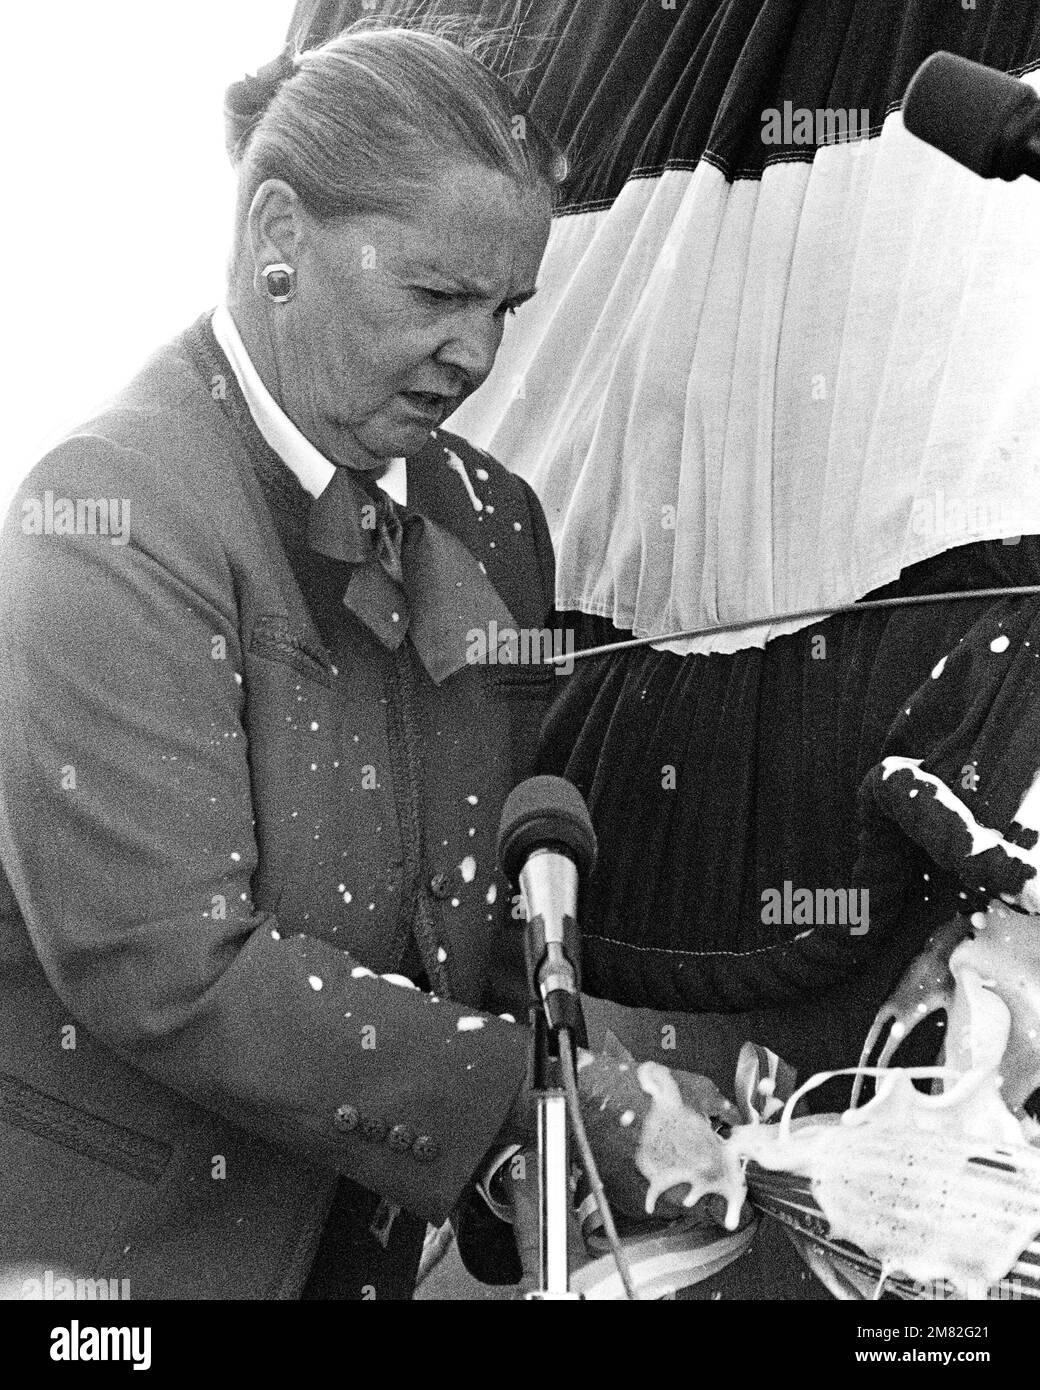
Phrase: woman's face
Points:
(397, 320)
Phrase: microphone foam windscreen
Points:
(963, 109)
(545, 811)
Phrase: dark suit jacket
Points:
(220, 797)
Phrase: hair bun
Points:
(246, 100)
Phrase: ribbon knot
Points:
(410, 577)
(389, 538)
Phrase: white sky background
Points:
(118, 194)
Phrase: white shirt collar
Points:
(292, 446)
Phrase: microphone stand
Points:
(553, 1151)
(560, 1013)
(545, 843)
(552, 1144)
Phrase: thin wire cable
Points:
(774, 619)
(570, 1086)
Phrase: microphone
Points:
(546, 843)
(982, 118)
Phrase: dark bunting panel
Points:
(634, 87)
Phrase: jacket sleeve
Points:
(127, 832)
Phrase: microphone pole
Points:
(546, 845)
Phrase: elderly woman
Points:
(249, 786)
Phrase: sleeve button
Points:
(402, 1137)
(346, 1119)
(426, 1149)
(373, 1129)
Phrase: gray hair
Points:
(358, 126)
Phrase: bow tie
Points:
(411, 577)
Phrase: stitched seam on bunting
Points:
(678, 165)
(674, 951)
(81, 1132)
